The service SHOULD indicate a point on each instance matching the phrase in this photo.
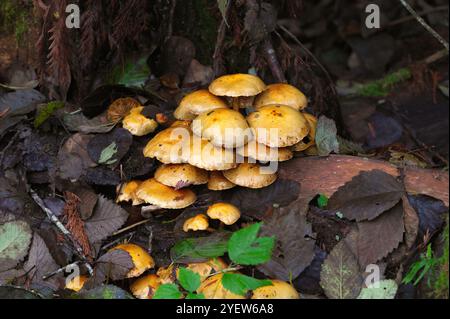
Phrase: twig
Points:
(409, 18)
(62, 228)
(272, 60)
(425, 25)
(221, 32)
(10, 143)
(60, 270)
(142, 222)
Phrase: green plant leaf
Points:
(240, 284)
(44, 113)
(322, 201)
(188, 279)
(245, 248)
(15, 238)
(132, 74)
(195, 296)
(108, 153)
(384, 289)
(168, 291)
(200, 249)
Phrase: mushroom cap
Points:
(278, 290)
(212, 288)
(204, 269)
(236, 85)
(311, 151)
(264, 153)
(303, 145)
(278, 125)
(226, 213)
(76, 283)
(223, 127)
(170, 146)
(180, 175)
(137, 124)
(141, 259)
(218, 182)
(196, 103)
(121, 108)
(282, 94)
(182, 123)
(153, 192)
(127, 192)
(145, 286)
(203, 154)
(250, 175)
(196, 223)
(167, 275)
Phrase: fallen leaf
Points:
(121, 138)
(256, 202)
(106, 219)
(367, 195)
(20, 102)
(73, 159)
(40, 263)
(340, 277)
(384, 289)
(114, 265)
(326, 136)
(294, 249)
(77, 122)
(379, 237)
(10, 292)
(102, 176)
(15, 238)
(431, 213)
(309, 280)
(411, 221)
(7, 277)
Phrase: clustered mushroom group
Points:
(221, 138)
(213, 143)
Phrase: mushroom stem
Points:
(235, 103)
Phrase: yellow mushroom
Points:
(212, 288)
(218, 182)
(282, 94)
(196, 223)
(226, 213)
(180, 175)
(170, 146)
(205, 155)
(141, 259)
(251, 175)
(76, 283)
(137, 124)
(154, 193)
(278, 290)
(264, 153)
(127, 192)
(196, 103)
(309, 140)
(121, 108)
(145, 286)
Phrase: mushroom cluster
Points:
(223, 137)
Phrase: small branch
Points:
(424, 24)
(60, 270)
(221, 32)
(62, 228)
(272, 60)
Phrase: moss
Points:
(46, 112)
(15, 18)
(385, 85)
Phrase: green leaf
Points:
(195, 296)
(44, 113)
(384, 289)
(108, 153)
(245, 248)
(322, 201)
(168, 291)
(132, 74)
(326, 136)
(188, 279)
(240, 284)
(15, 238)
(200, 249)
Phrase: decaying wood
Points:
(324, 175)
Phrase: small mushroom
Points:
(181, 175)
(121, 108)
(76, 283)
(241, 88)
(278, 125)
(264, 153)
(196, 223)
(278, 290)
(196, 103)
(141, 259)
(167, 275)
(205, 269)
(203, 154)
(309, 140)
(250, 175)
(282, 94)
(223, 127)
(218, 182)
(127, 192)
(137, 124)
(145, 286)
(170, 146)
(226, 213)
(154, 193)
(212, 288)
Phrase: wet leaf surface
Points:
(294, 248)
(367, 195)
(20, 102)
(122, 139)
(309, 280)
(431, 213)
